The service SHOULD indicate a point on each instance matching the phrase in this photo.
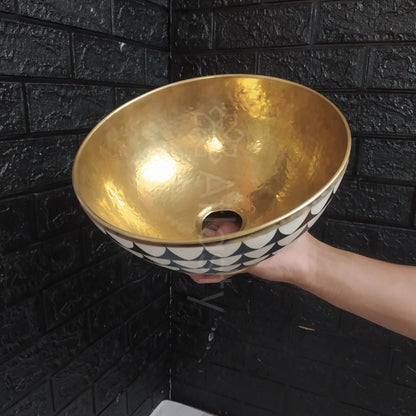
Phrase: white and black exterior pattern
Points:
(229, 256)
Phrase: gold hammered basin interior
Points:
(259, 147)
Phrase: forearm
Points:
(381, 292)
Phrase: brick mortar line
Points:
(145, 67)
(92, 342)
(366, 68)
(44, 378)
(62, 410)
(155, 5)
(143, 309)
(21, 398)
(314, 23)
(127, 350)
(26, 109)
(35, 297)
(91, 387)
(170, 38)
(362, 221)
(182, 53)
(51, 395)
(122, 326)
(353, 159)
(412, 219)
(48, 378)
(112, 30)
(257, 63)
(388, 376)
(18, 18)
(46, 188)
(358, 178)
(212, 41)
(42, 134)
(115, 84)
(144, 401)
(65, 276)
(27, 79)
(360, 91)
(260, 5)
(72, 74)
(307, 46)
(367, 225)
(384, 136)
(109, 295)
(82, 269)
(216, 51)
(108, 405)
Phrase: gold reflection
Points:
(115, 195)
(255, 146)
(252, 98)
(159, 169)
(259, 146)
(213, 145)
(118, 208)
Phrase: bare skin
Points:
(378, 291)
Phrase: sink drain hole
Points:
(221, 222)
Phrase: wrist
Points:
(296, 263)
(308, 251)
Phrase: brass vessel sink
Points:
(263, 152)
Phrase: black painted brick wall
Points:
(276, 350)
(84, 327)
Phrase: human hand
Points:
(214, 228)
(375, 290)
(290, 264)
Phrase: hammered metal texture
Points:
(264, 148)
